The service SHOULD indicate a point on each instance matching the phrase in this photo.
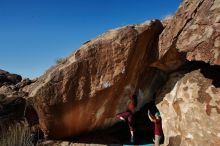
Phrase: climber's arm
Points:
(151, 117)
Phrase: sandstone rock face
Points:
(86, 90)
(194, 31)
(190, 104)
(190, 111)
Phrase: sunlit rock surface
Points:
(86, 90)
(194, 32)
(190, 109)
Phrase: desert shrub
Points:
(60, 60)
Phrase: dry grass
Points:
(19, 134)
(61, 60)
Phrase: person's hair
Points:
(157, 114)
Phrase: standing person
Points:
(128, 114)
(157, 126)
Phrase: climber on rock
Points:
(157, 126)
(128, 114)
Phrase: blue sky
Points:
(34, 33)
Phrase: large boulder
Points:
(85, 91)
(200, 36)
(190, 110)
(193, 32)
(189, 103)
